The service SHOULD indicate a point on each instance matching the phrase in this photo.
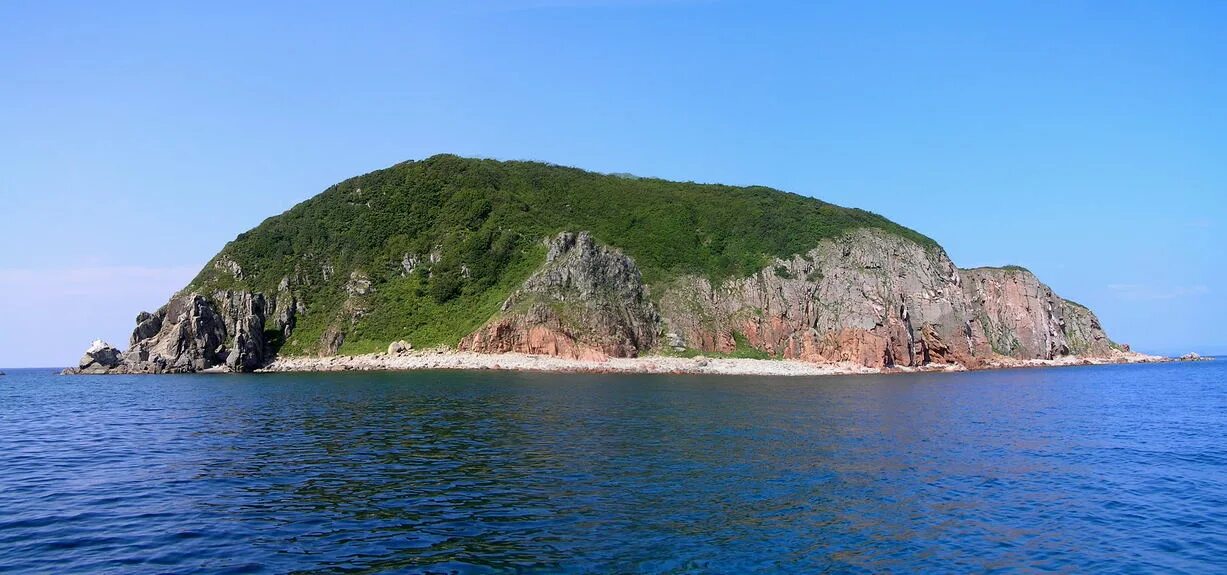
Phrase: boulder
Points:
(101, 357)
(675, 341)
(358, 285)
(399, 347)
(147, 326)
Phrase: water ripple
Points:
(1107, 469)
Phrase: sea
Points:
(1096, 469)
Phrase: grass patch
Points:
(741, 350)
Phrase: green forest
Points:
(475, 229)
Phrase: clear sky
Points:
(1086, 141)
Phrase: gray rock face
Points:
(190, 333)
(284, 307)
(243, 314)
(99, 358)
(409, 263)
(286, 313)
(191, 338)
(587, 301)
(1084, 334)
(1024, 319)
(147, 325)
(868, 297)
(880, 300)
(332, 340)
(229, 266)
(358, 285)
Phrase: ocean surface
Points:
(1112, 469)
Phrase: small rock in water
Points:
(100, 357)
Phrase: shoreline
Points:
(436, 359)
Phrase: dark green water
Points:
(1098, 469)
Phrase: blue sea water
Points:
(1114, 469)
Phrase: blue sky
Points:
(1086, 141)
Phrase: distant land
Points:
(472, 258)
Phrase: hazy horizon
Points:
(1084, 142)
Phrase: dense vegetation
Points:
(1005, 268)
(482, 222)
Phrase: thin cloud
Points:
(1142, 292)
(48, 315)
(91, 281)
(526, 5)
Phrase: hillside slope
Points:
(522, 256)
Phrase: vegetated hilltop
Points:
(524, 256)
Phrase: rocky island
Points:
(457, 262)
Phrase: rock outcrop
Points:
(100, 357)
(868, 297)
(587, 301)
(1024, 319)
(191, 333)
(243, 314)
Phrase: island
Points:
(452, 262)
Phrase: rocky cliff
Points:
(191, 333)
(867, 297)
(586, 302)
(1024, 319)
(496, 257)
